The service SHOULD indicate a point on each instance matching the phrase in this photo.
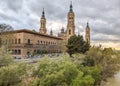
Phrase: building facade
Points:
(23, 43)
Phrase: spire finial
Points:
(71, 10)
(87, 24)
(43, 14)
(51, 32)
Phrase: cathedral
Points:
(25, 42)
(65, 35)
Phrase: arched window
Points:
(38, 42)
(19, 41)
(28, 41)
(15, 41)
(41, 42)
(15, 51)
(19, 51)
(12, 51)
(69, 32)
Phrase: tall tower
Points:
(43, 23)
(87, 33)
(70, 24)
(51, 32)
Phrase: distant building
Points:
(23, 43)
(87, 34)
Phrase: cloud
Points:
(103, 16)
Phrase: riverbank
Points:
(114, 81)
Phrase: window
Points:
(41, 42)
(19, 41)
(19, 51)
(28, 41)
(15, 51)
(15, 41)
(38, 42)
(69, 32)
(12, 51)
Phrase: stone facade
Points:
(26, 42)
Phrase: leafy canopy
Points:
(76, 44)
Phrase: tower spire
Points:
(51, 32)
(43, 14)
(87, 24)
(87, 33)
(70, 25)
(43, 23)
(71, 10)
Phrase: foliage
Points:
(76, 44)
(81, 80)
(106, 59)
(55, 72)
(12, 74)
(6, 34)
(5, 27)
(5, 58)
(94, 72)
(62, 72)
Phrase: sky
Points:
(103, 17)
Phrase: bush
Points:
(55, 72)
(5, 58)
(12, 74)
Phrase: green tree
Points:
(106, 60)
(76, 44)
(83, 80)
(5, 58)
(54, 72)
(12, 74)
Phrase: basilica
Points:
(24, 42)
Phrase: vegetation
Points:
(61, 72)
(107, 60)
(83, 70)
(5, 58)
(6, 34)
(76, 44)
(11, 73)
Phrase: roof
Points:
(33, 32)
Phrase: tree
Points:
(6, 33)
(55, 72)
(106, 59)
(5, 28)
(12, 74)
(83, 80)
(5, 58)
(76, 44)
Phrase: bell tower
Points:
(87, 33)
(43, 23)
(70, 24)
(51, 32)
